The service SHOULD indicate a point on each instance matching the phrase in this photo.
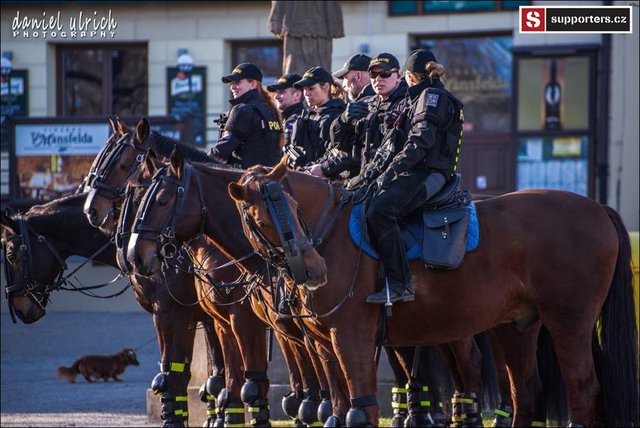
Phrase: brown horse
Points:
(549, 255)
(225, 230)
(48, 234)
(241, 332)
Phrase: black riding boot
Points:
(397, 293)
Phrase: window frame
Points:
(421, 11)
(107, 89)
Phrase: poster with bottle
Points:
(553, 93)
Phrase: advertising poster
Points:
(186, 102)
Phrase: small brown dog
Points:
(99, 366)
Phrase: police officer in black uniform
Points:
(289, 102)
(311, 132)
(412, 165)
(251, 131)
(356, 83)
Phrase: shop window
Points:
(103, 80)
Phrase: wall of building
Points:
(206, 28)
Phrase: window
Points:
(402, 7)
(103, 80)
(267, 55)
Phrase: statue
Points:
(307, 29)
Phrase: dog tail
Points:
(68, 373)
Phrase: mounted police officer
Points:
(289, 102)
(311, 136)
(415, 161)
(250, 133)
(356, 84)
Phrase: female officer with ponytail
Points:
(411, 166)
(250, 133)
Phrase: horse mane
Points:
(164, 145)
(60, 211)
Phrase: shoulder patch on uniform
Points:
(432, 100)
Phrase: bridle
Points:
(96, 180)
(28, 286)
(165, 236)
(289, 255)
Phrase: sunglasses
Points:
(383, 74)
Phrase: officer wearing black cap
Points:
(412, 165)
(311, 136)
(251, 131)
(289, 102)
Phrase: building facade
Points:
(541, 109)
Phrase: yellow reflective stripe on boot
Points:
(502, 413)
(211, 412)
(538, 424)
(234, 410)
(177, 367)
(460, 400)
(425, 403)
(398, 405)
(425, 388)
(398, 390)
(256, 409)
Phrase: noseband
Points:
(294, 246)
(29, 286)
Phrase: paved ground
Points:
(31, 395)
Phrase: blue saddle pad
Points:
(411, 233)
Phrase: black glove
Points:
(383, 181)
(355, 110)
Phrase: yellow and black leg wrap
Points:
(465, 411)
(171, 384)
(399, 405)
(234, 414)
(503, 416)
(418, 405)
(254, 395)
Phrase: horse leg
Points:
(505, 411)
(519, 353)
(230, 406)
(358, 365)
(249, 332)
(399, 390)
(574, 352)
(333, 409)
(291, 401)
(176, 333)
(465, 358)
(215, 364)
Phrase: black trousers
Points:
(404, 195)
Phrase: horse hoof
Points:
(398, 421)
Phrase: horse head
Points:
(118, 159)
(28, 288)
(167, 214)
(272, 223)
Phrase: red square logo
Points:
(532, 19)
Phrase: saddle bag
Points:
(444, 241)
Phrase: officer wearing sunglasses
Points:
(414, 162)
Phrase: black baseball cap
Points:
(312, 76)
(357, 62)
(246, 70)
(386, 61)
(418, 59)
(284, 82)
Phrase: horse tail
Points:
(490, 390)
(552, 403)
(616, 351)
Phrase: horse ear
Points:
(150, 167)
(177, 162)
(121, 126)
(142, 131)
(113, 124)
(8, 222)
(236, 192)
(279, 171)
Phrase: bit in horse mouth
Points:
(107, 223)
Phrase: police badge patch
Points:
(432, 100)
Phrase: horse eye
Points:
(162, 198)
(261, 224)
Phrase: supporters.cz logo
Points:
(532, 19)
